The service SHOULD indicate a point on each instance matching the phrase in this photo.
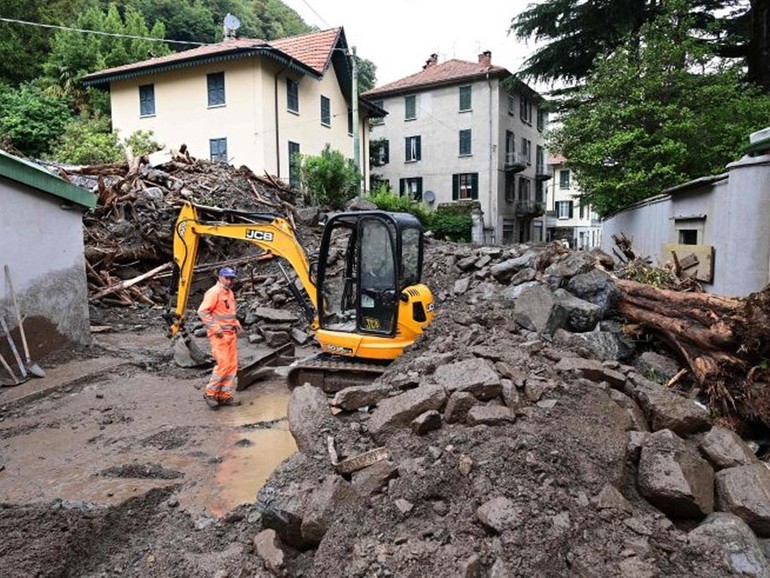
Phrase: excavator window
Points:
(377, 313)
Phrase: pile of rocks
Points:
(525, 437)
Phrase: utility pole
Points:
(354, 98)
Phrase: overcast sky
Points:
(400, 35)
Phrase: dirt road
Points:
(119, 424)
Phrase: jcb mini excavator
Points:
(364, 299)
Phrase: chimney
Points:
(432, 61)
(485, 58)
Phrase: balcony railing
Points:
(542, 174)
(528, 208)
(515, 162)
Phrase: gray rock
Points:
(592, 370)
(571, 264)
(524, 276)
(458, 405)
(275, 339)
(503, 272)
(725, 449)
(309, 413)
(490, 415)
(635, 413)
(467, 263)
(675, 479)
(537, 309)
(499, 514)
(596, 287)
(499, 569)
(535, 388)
(581, 315)
(743, 552)
(462, 285)
(667, 410)
(425, 422)
(333, 497)
(372, 479)
(476, 376)
(511, 396)
(656, 367)
(471, 568)
(298, 336)
(274, 315)
(399, 411)
(357, 396)
(610, 498)
(745, 492)
(269, 549)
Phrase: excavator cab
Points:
(367, 264)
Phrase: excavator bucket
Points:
(187, 353)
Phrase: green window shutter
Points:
(570, 209)
(455, 187)
(401, 186)
(386, 152)
(419, 148)
(474, 185)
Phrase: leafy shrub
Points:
(330, 178)
(451, 227)
(31, 120)
(88, 140)
(444, 225)
(143, 142)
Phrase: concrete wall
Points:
(41, 240)
(247, 120)
(734, 213)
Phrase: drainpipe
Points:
(492, 216)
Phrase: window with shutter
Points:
(292, 95)
(465, 98)
(147, 100)
(465, 142)
(294, 163)
(410, 107)
(216, 88)
(326, 111)
(412, 151)
(218, 149)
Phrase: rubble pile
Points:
(522, 435)
(129, 233)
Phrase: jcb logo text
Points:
(259, 235)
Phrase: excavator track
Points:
(333, 373)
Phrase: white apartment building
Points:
(568, 218)
(466, 131)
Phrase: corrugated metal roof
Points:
(35, 176)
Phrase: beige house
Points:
(568, 217)
(466, 131)
(248, 102)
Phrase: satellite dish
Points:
(429, 196)
(231, 24)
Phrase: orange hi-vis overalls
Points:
(218, 314)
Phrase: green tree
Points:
(367, 74)
(574, 33)
(88, 141)
(31, 120)
(330, 178)
(654, 114)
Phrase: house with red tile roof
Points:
(249, 102)
(460, 131)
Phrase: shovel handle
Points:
(13, 347)
(9, 370)
(18, 314)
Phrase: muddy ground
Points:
(114, 466)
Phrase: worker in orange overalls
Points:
(218, 315)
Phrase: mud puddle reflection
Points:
(252, 453)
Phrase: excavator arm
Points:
(274, 235)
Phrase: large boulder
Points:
(743, 552)
(745, 492)
(724, 448)
(596, 287)
(397, 412)
(476, 376)
(674, 478)
(538, 309)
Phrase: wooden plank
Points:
(704, 254)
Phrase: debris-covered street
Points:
(525, 434)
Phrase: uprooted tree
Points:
(724, 341)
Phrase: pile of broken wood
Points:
(128, 236)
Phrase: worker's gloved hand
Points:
(219, 334)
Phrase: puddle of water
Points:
(245, 468)
(251, 454)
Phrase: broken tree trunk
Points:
(725, 342)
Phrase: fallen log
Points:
(724, 341)
(129, 282)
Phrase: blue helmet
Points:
(227, 272)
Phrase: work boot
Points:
(230, 401)
(211, 401)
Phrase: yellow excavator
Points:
(362, 297)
